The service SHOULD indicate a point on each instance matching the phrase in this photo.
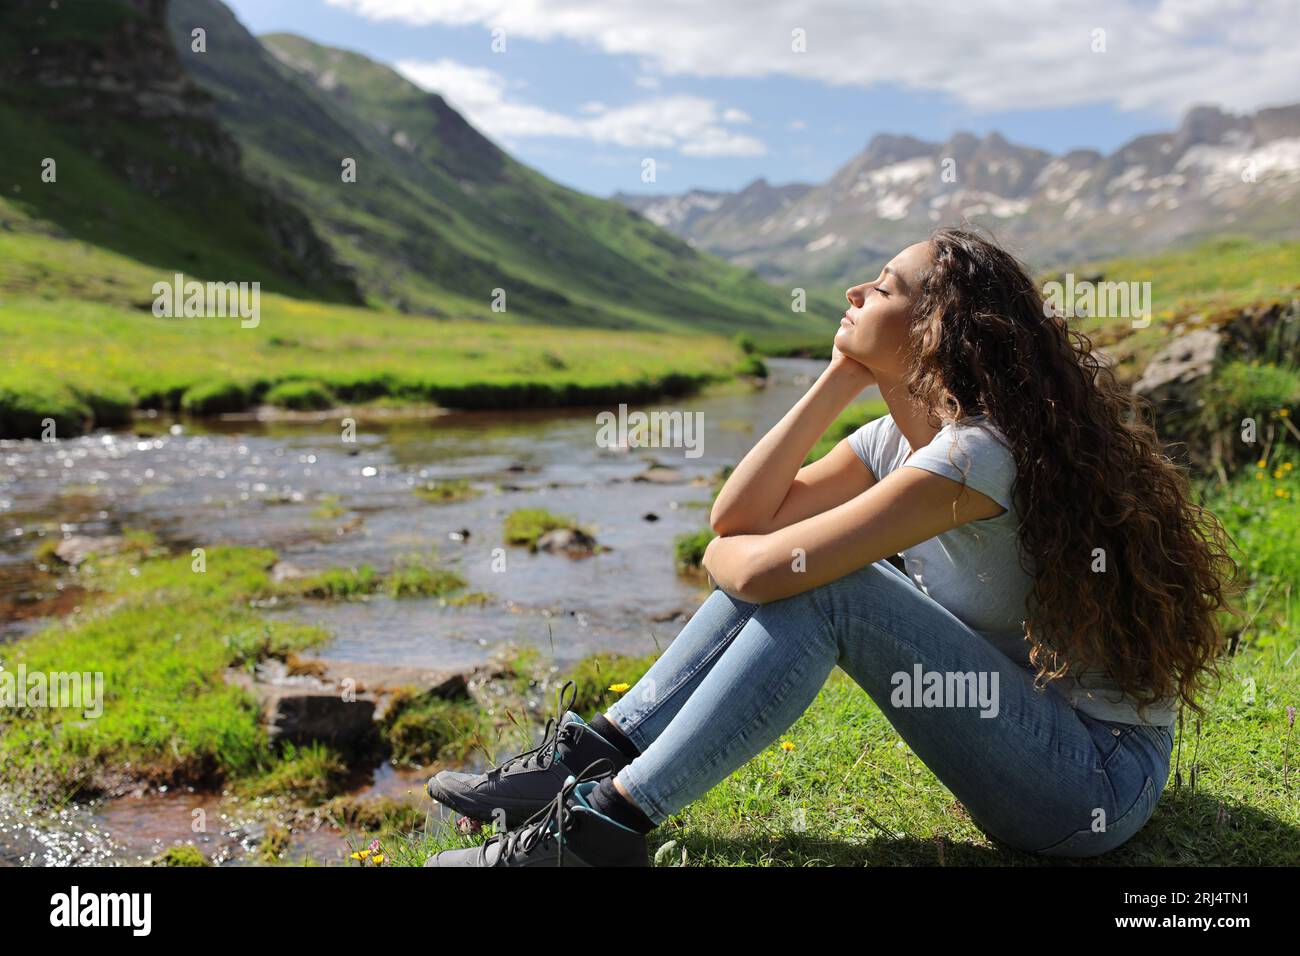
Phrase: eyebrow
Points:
(889, 270)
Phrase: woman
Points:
(1059, 602)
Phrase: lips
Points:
(846, 321)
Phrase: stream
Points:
(319, 501)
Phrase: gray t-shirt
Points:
(974, 570)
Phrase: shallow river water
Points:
(322, 502)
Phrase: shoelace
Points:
(548, 824)
(544, 753)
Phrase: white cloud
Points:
(994, 55)
(690, 124)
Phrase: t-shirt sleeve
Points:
(971, 454)
(866, 443)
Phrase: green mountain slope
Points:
(138, 164)
(439, 217)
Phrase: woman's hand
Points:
(844, 367)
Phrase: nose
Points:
(855, 296)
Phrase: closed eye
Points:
(881, 291)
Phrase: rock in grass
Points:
(340, 702)
(574, 542)
(1177, 372)
(660, 475)
(75, 550)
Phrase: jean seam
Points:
(633, 733)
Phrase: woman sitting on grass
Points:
(1059, 602)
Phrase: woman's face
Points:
(874, 328)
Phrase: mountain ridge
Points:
(1216, 172)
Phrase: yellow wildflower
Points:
(787, 745)
(619, 688)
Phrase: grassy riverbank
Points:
(91, 351)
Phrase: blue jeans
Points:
(1033, 771)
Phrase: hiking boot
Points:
(528, 782)
(566, 832)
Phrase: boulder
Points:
(574, 542)
(338, 702)
(75, 550)
(660, 475)
(1176, 373)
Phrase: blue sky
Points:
(721, 92)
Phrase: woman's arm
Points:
(769, 489)
(909, 506)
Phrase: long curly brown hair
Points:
(1090, 473)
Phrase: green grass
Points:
(447, 491)
(412, 576)
(524, 526)
(688, 550)
(163, 635)
(1242, 390)
(300, 395)
(600, 679)
(423, 729)
(90, 361)
(162, 643)
(1213, 280)
(184, 855)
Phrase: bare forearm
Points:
(759, 485)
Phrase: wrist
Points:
(849, 374)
